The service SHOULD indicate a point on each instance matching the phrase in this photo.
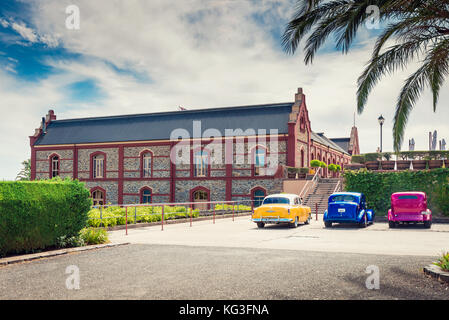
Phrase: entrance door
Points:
(200, 199)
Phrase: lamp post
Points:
(381, 122)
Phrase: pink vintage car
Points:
(409, 207)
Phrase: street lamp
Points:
(381, 122)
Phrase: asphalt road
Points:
(235, 260)
(144, 271)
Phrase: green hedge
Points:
(34, 215)
(378, 187)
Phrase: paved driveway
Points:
(235, 260)
(242, 233)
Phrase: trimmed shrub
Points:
(378, 187)
(38, 214)
(359, 158)
(315, 163)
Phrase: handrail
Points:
(337, 187)
(314, 180)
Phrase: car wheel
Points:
(364, 223)
(391, 224)
(427, 224)
(260, 225)
(308, 219)
(328, 224)
(295, 224)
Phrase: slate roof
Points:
(321, 138)
(158, 126)
(342, 143)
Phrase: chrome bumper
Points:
(272, 220)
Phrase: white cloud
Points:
(198, 54)
(27, 33)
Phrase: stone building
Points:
(230, 153)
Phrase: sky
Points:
(141, 56)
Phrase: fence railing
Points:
(111, 215)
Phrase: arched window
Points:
(201, 163)
(98, 169)
(200, 198)
(258, 196)
(145, 195)
(260, 155)
(98, 197)
(147, 164)
(54, 166)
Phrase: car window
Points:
(344, 198)
(276, 200)
(407, 197)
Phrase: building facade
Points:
(233, 153)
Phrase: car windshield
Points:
(344, 198)
(407, 197)
(275, 200)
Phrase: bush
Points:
(378, 187)
(323, 165)
(332, 167)
(372, 157)
(94, 235)
(36, 214)
(360, 158)
(443, 262)
(315, 163)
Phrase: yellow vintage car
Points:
(282, 208)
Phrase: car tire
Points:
(364, 224)
(427, 224)
(260, 225)
(308, 220)
(294, 224)
(391, 224)
(328, 224)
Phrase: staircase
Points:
(320, 194)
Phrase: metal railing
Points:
(310, 184)
(161, 212)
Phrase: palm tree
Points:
(420, 30)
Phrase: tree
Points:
(25, 173)
(420, 30)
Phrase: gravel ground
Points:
(145, 271)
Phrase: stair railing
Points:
(337, 187)
(309, 184)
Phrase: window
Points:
(146, 195)
(276, 200)
(258, 197)
(98, 166)
(201, 164)
(98, 197)
(259, 161)
(146, 164)
(344, 198)
(200, 199)
(54, 166)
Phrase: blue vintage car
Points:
(347, 207)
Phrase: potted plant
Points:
(387, 165)
(302, 173)
(403, 164)
(291, 172)
(418, 161)
(371, 161)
